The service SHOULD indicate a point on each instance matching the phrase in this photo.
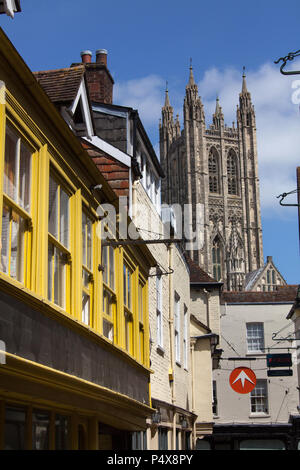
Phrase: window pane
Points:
(5, 240)
(141, 346)
(259, 400)
(24, 178)
(85, 279)
(128, 333)
(10, 165)
(141, 312)
(273, 277)
(89, 245)
(64, 218)
(14, 428)
(255, 336)
(85, 308)
(50, 270)
(53, 208)
(111, 267)
(56, 276)
(104, 264)
(124, 285)
(59, 278)
(108, 330)
(40, 430)
(17, 247)
(107, 303)
(61, 432)
(84, 241)
(128, 288)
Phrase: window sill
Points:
(178, 364)
(259, 415)
(255, 353)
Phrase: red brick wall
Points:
(100, 83)
(115, 173)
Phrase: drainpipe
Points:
(134, 163)
(207, 293)
(171, 334)
(192, 351)
(171, 323)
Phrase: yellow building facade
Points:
(73, 314)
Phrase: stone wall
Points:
(146, 217)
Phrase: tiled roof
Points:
(282, 294)
(115, 173)
(197, 274)
(61, 85)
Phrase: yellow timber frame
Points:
(48, 156)
(45, 159)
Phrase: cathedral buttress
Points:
(249, 180)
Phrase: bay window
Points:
(141, 297)
(109, 296)
(128, 315)
(16, 216)
(58, 243)
(87, 269)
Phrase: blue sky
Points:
(151, 42)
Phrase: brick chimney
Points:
(99, 79)
(86, 57)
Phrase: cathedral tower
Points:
(214, 169)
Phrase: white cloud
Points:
(277, 118)
(143, 94)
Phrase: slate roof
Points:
(252, 277)
(198, 275)
(286, 293)
(61, 85)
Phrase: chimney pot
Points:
(86, 57)
(101, 56)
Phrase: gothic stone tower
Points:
(215, 170)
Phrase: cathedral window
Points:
(232, 173)
(271, 280)
(217, 259)
(213, 170)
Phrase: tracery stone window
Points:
(271, 280)
(213, 170)
(217, 259)
(232, 173)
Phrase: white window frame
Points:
(159, 314)
(259, 399)
(259, 338)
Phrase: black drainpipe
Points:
(135, 166)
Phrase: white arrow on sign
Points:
(242, 377)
